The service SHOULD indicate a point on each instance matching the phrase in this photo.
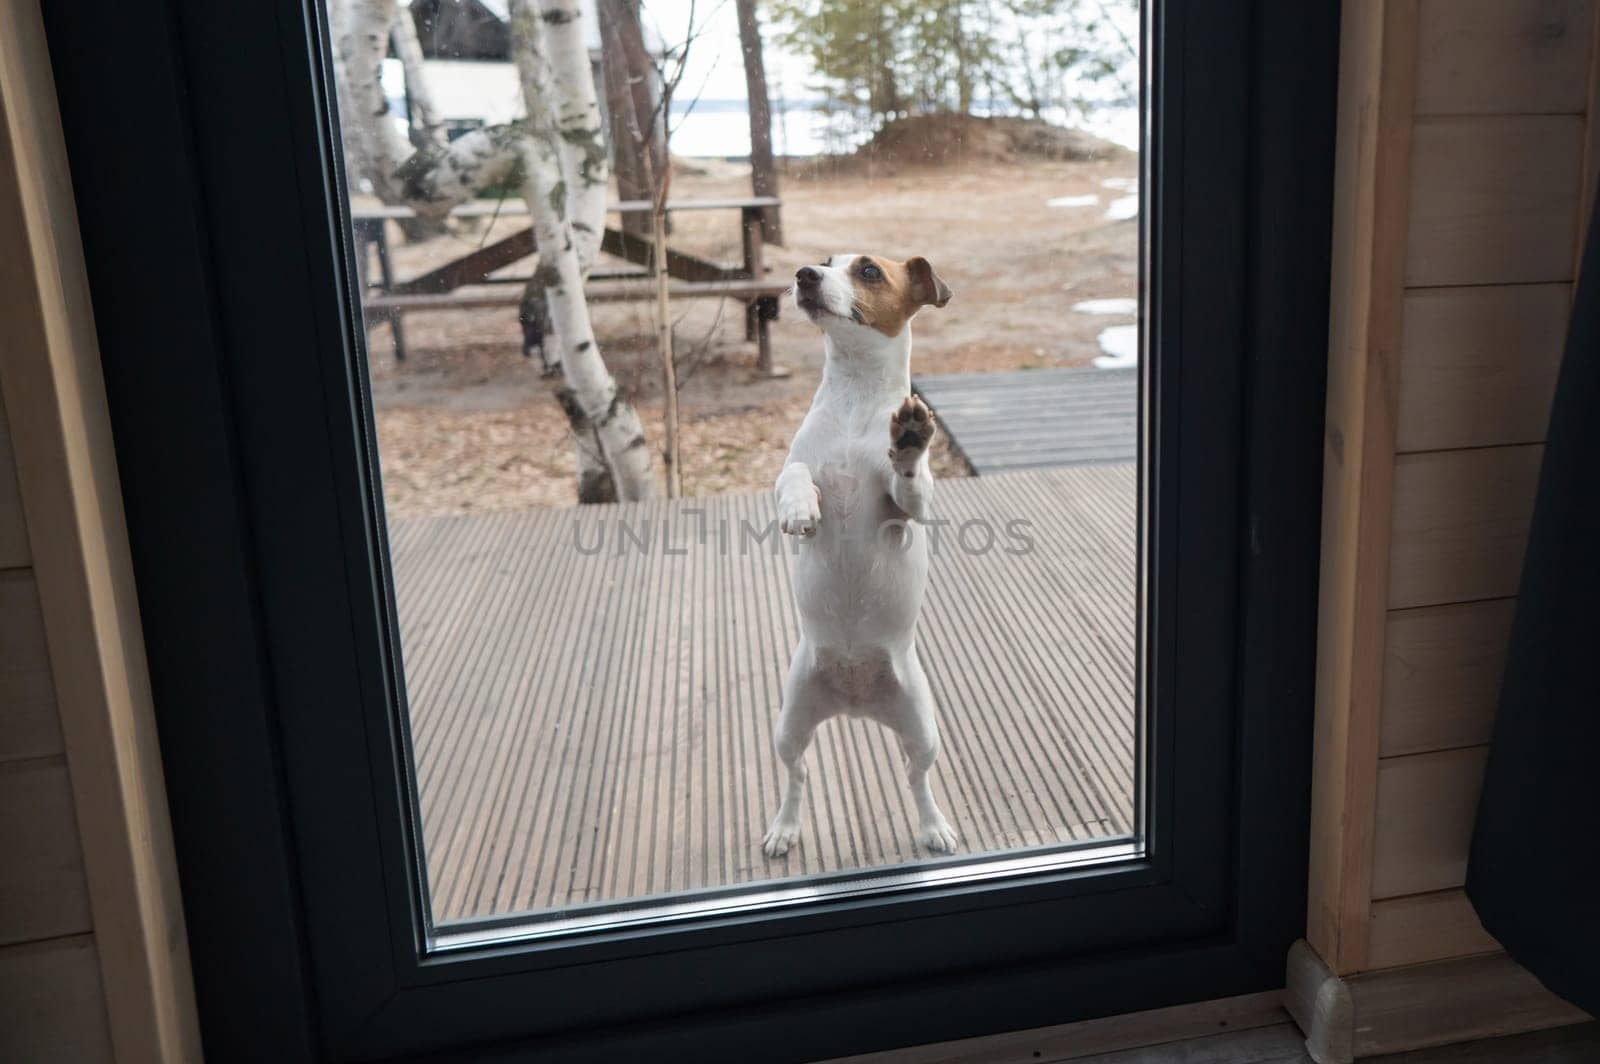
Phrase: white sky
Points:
(716, 69)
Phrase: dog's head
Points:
(850, 293)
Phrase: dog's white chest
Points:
(847, 486)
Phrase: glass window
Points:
(757, 392)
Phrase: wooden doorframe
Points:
(72, 502)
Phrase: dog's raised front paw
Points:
(937, 835)
(799, 515)
(782, 835)
(911, 429)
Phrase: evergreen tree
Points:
(888, 59)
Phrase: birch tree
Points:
(561, 177)
(553, 69)
(559, 48)
(375, 140)
(575, 108)
(431, 177)
(562, 160)
(427, 128)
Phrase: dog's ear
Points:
(927, 287)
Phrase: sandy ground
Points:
(466, 423)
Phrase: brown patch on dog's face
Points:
(889, 293)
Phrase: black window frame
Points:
(220, 267)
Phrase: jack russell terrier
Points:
(860, 579)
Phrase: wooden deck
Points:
(1035, 419)
(591, 727)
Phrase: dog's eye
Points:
(869, 272)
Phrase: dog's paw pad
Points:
(938, 836)
(780, 838)
(911, 429)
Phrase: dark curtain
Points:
(1535, 870)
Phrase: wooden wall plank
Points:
(1478, 365)
(53, 391)
(1460, 524)
(50, 1004)
(1428, 803)
(1377, 58)
(1441, 675)
(13, 530)
(1503, 149)
(1499, 57)
(42, 890)
(28, 725)
(1494, 199)
(1426, 927)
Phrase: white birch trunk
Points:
(338, 26)
(427, 129)
(576, 108)
(433, 180)
(614, 421)
(361, 39)
(429, 179)
(565, 173)
(611, 417)
(572, 102)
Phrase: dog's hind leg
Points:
(919, 740)
(805, 705)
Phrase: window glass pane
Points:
(713, 589)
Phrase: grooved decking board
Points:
(1037, 419)
(591, 727)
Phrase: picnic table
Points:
(692, 277)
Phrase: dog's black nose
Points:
(808, 276)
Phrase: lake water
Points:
(703, 128)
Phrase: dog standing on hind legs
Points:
(860, 576)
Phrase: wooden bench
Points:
(692, 277)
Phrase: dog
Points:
(860, 575)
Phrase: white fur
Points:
(862, 568)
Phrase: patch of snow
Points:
(1121, 184)
(1121, 346)
(1123, 208)
(1107, 306)
(1090, 200)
